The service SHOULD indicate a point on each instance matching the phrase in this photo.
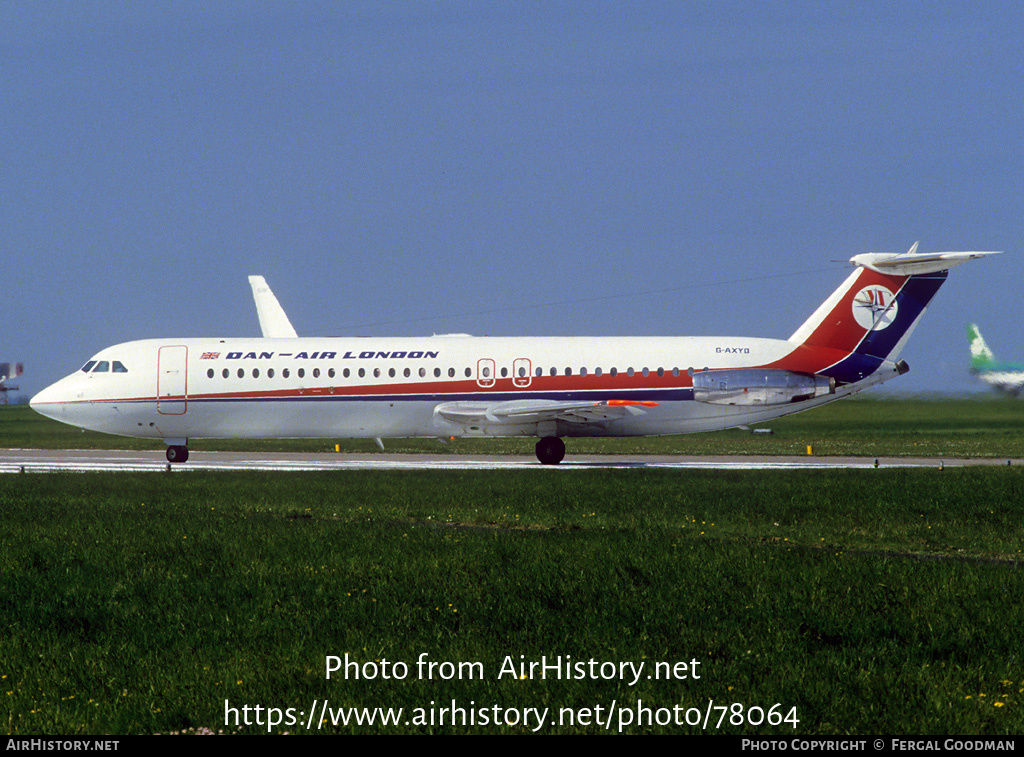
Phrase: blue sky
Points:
(502, 168)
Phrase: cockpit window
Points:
(104, 366)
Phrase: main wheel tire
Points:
(550, 450)
(177, 454)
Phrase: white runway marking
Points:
(50, 461)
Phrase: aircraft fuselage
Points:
(388, 387)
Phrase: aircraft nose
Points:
(50, 401)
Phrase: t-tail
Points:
(858, 333)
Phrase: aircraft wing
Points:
(517, 412)
(273, 322)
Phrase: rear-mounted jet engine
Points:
(759, 386)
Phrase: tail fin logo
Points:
(874, 307)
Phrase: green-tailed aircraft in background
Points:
(1006, 377)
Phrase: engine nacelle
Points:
(759, 386)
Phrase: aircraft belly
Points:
(322, 419)
(416, 418)
(394, 418)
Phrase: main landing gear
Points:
(177, 453)
(550, 450)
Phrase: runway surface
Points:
(47, 461)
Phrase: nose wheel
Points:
(550, 450)
(177, 453)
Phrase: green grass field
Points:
(860, 601)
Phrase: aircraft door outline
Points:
(522, 372)
(485, 372)
(172, 380)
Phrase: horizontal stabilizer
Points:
(913, 262)
(273, 321)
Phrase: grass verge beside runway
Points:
(879, 601)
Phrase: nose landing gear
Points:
(177, 453)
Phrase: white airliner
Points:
(283, 385)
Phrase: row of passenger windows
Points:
(104, 366)
(485, 372)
